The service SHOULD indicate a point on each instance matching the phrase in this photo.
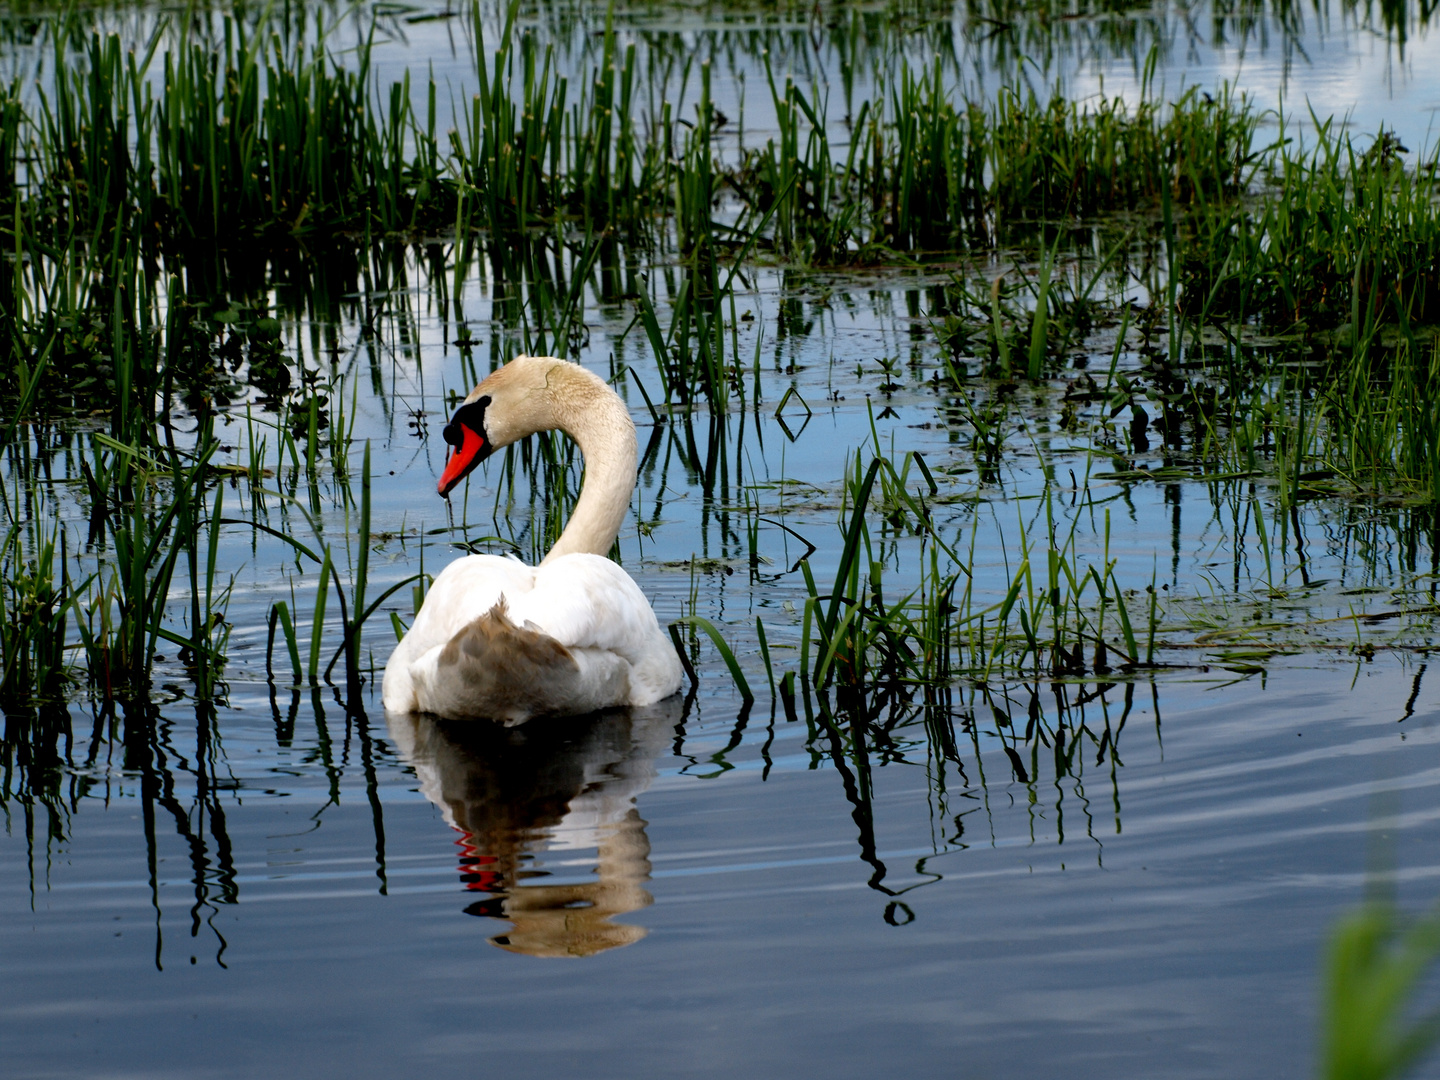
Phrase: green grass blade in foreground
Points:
(726, 654)
(317, 624)
(765, 653)
(1371, 972)
(280, 613)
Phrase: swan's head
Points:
(469, 441)
(525, 396)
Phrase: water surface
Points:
(1159, 917)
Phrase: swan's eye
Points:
(471, 415)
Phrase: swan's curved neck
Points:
(594, 416)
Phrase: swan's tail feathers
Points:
(494, 669)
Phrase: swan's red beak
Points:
(466, 455)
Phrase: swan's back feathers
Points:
(586, 601)
(467, 588)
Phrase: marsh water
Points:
(1101, 876)
(1156, 918)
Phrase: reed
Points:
(36, 597)
(726, 654)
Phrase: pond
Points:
(1127, 704)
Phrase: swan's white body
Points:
(500, 640)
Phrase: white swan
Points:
(500, 640)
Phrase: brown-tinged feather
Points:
(494, 669)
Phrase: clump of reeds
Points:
(36, 596)
(1058, 616)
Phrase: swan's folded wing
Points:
(588, 602)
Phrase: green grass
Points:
(150, 196)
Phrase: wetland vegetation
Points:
(974, 411)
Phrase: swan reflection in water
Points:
(547, 792)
